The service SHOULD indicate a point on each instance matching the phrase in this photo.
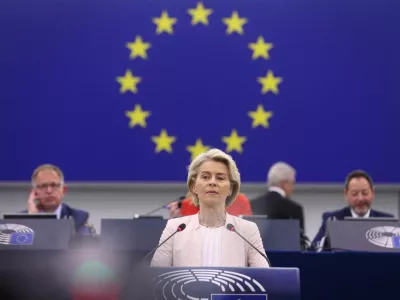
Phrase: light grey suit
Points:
(184, 248)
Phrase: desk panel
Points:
(328, 276)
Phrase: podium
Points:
(36, 234)
(213, 283)
(364, 235)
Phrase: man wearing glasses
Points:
(47, 194)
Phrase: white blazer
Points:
(184, 248)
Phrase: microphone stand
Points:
(161, 207)
(154, 250)
(262, 254)
(124, 286)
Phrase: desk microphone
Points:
(232, 228)
(179, 200)
(180, 228)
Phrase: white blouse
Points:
(211, 246)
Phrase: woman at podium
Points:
(212, 237)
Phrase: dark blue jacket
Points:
(80, 217)
(340, 215)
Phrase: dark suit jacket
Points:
(275, 206)
(80, 217)
(340, 215)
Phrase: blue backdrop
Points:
(331, 97)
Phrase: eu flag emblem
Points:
(18, 238)
(396, 241)
(238, 297)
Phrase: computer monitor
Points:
(380, 219)
(29, 216)
(138, 216)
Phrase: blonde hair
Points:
(47, 167)
(218, 156)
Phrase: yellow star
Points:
(138, 48)
(269, 83)
(197, 149)
(163, 141)
(164, 23)
(234, 142)
(234, 23)
(260, 48)
(200, 14)
(137, 116)
(260, 117)
(128, 82)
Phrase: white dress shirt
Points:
(57, 211)
(278, 190)
(354, 215)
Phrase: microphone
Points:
(179, 200)
(232, 228)
(180, 228)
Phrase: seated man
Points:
(185, 207)
(359, 193)
(47, 194)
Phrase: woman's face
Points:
(212, 184)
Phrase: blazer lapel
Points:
(345, 213)
(195, 242)
(64, 211)
(227, 243)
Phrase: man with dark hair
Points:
(359, 193)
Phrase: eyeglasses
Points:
(45, 186)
